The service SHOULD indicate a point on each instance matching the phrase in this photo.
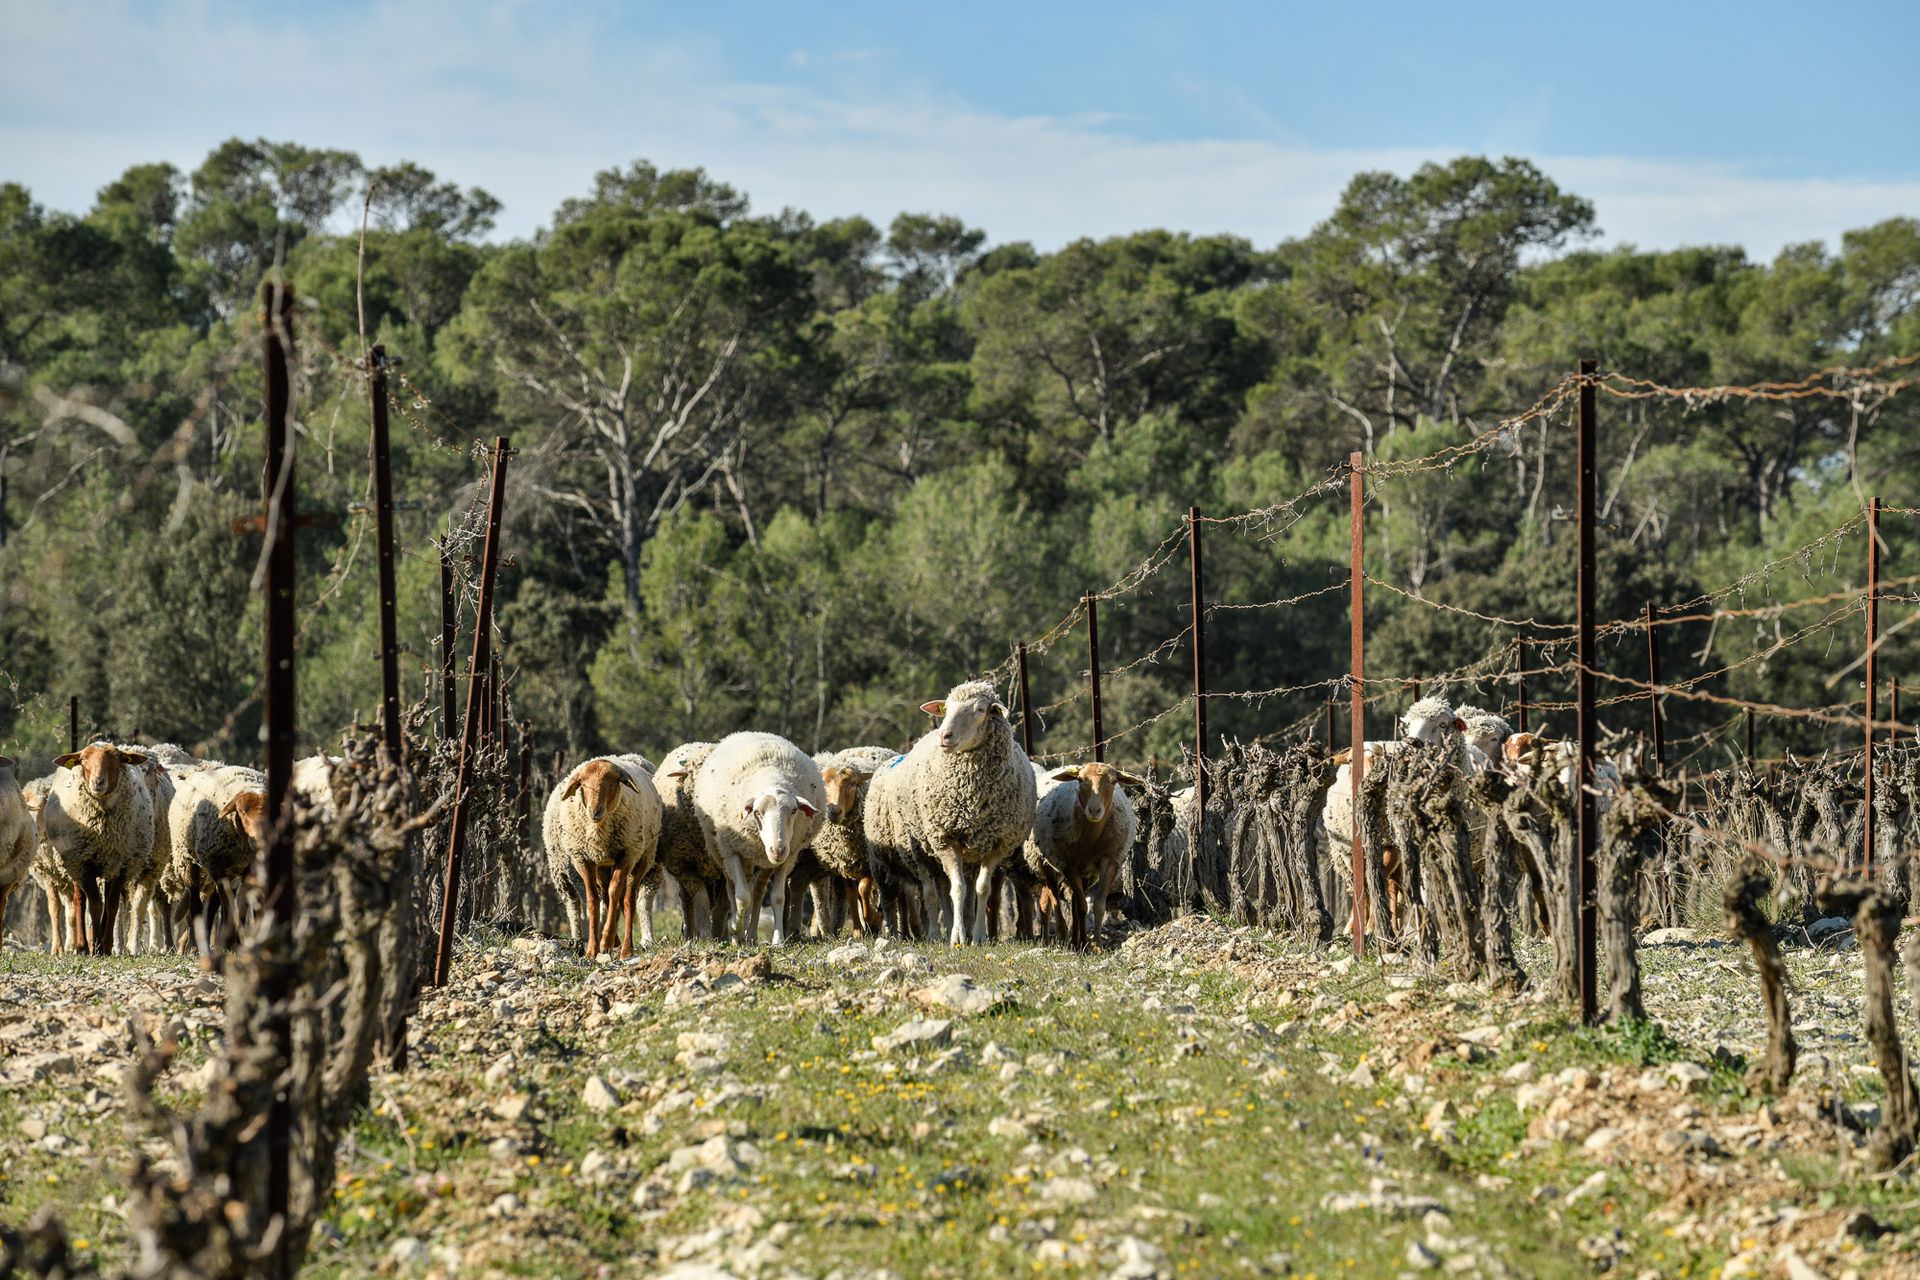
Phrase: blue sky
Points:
(1756, 124)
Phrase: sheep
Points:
(841, 845)
(966, 801)
(1525, 753)
(895, 875)
(66, 930)
(602, 828)
(147, 903)
(99, 820)
(760, 801)
(1429, 720)
(19, 835)
(704, 892)
(313, 783)
(216, 822)
(1082, 828)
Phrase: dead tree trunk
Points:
(1539, 817)
(1748, 923)
(1876, 923)
(1489, 791)
(1630, 837)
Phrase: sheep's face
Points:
(1488, 733)
(598, 787)
(1097, 781)
(844, 787)
(247, 810)
(1422, 725)
(965, 724)
(100, 766)
(781, 818)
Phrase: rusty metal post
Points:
(1520, 716)
(1586, 726)
(1653, 691)
(1093, 670)
(449, 635)
(1333, 701)
(1873, 684)
(1026, 701)
(73, 722)
(1357, 711)
(281, 889)
(1199, 608)
(470, 726)
(383, 537)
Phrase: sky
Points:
(1758, 124)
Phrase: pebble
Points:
(598, 1095)
(959, 993)
(921, 1033)
(409, 1251)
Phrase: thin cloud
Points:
(530, 106)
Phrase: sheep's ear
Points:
(231, 809)
(746, 808)
(1127, 779)
(804, 807)
(1459, 725)
(936, 708)
(133, 758)
(860, 777)
(1000, 709)
(674, 771)
(68, 760)
(626, 780)
(7, 762)
(1343, 756)
(1065, 775)
(571, 788)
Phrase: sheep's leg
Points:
(77, 932)
(746, 904)
(616, 902)
(590, 940)
(648, 894)
(56, 921)
(691, 896)
(777, 900)
(1077, 910)
(166, 924)
(99, 926)
(6, 891)
(977, 906)
(230, 913)
(958, 882)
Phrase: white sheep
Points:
(1486, 732)
(1083, 827)
(143, 926)
(704, 894)
(966, 801)
(760, 801)
(898, 875)
(602, 827)
(312, 783)
(19, 835)
(1429, 720)
(99, 819)
(217, 821)
(66, 927)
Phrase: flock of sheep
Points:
(132, 845)
(137, 846)
(916, 844)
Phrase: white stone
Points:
(598, 1095)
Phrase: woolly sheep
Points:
(760, 801)
(897, 875)
(143, 927)
(99, 820)
(1485, 732)
(19, 834)
(696, 869)
(1429, 720)
(602, 826)
(967, 801)
(66, 930)
(216, 821)
(1082, 828)
(313, 783)
(841, 845)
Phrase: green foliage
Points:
(804, 475)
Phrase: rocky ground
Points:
(1198, 1100)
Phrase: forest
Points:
(803, 474)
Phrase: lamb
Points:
(19, 835)
(966, 801)
(602, 828)
(1082, 828)
(704, 894)
(841, 845)
(760, 801)
(99, 820)
(216, 823)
